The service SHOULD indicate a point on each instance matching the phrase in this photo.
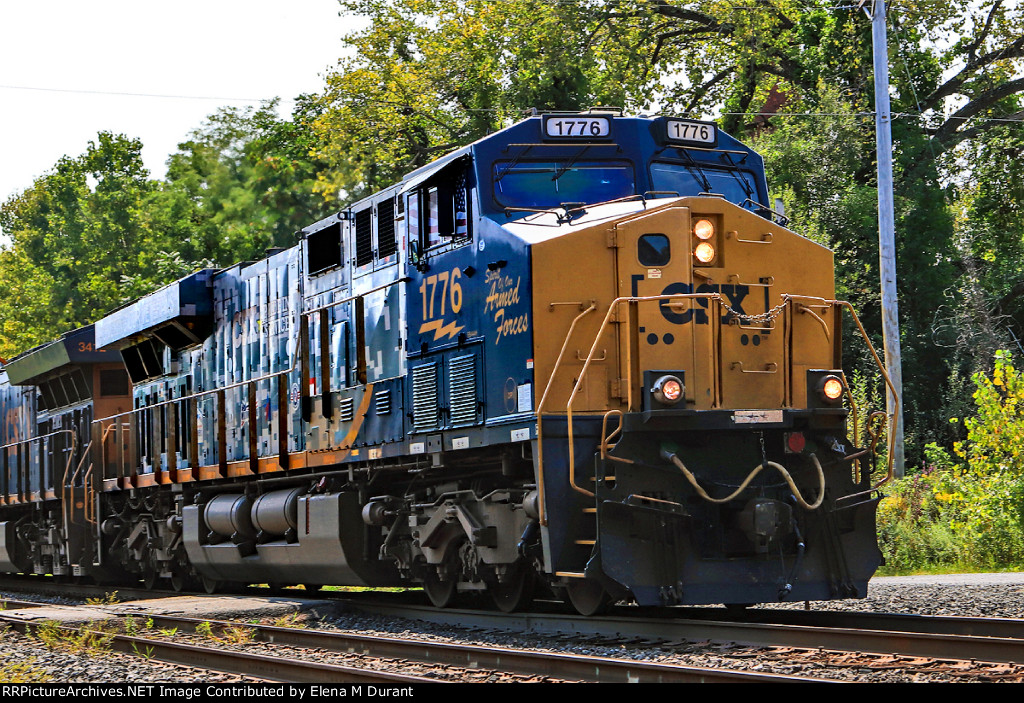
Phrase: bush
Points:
(968, 515)
(913, 531)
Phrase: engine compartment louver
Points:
(424, 397)
(346, 409)
(462, 389)
(382, 402)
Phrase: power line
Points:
(362, 100)
(871, 115)
(138, 95)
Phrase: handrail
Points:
(66, 490)
(259, 379)
(788, 300)
(855, 413)
(542, 513)
(37, 437)
(356, 296)
(90, 504)
(590, 357)
(888, 382)
(74, 441)
(606, 438)
(804, 309)
(67, 467)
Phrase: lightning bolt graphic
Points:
(451, 329)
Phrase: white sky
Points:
(251, 49)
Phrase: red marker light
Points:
(796, 442)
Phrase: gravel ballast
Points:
(983, 595)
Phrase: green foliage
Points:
(995, 435)
(969, 514)
(97, 231)
(241, 183)
(74, 236)
(23, 672)
(110, 598)
(428, 76)
(88, 637)
(911, 532)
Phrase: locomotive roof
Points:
(74, 347)
(529, 134)
(175, 308)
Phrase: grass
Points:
(23, 672)
(88, 637)
(108, 599)
(944, 569)
(237, 634)
(294, 620)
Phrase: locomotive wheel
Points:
(441, 593)
(588, 597)
(149, 578)
(312, 587)
(516, 593)
(178, 581)
(211, 585)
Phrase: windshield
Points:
(686, 180)
(548, 184)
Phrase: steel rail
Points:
(1006, 646)
(995, 640)
(262, 666)
(575, 667)
(564, 666)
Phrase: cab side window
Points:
(441, 212)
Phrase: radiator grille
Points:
(462, 389)
(424, 397)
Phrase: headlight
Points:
(705, 253)
(831, 388)
(667, 390)
(704, 229)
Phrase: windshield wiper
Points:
(695, 170)
(514, 162)
(560, 172)
(735, 172)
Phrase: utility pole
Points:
(887, 226)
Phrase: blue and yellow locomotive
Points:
(580, 355)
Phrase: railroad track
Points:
(995, 640)
(962, 639)
(461, 662)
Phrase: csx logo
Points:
(734, 296)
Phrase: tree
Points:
(74, 236)
(429, 76)
(241, 183)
